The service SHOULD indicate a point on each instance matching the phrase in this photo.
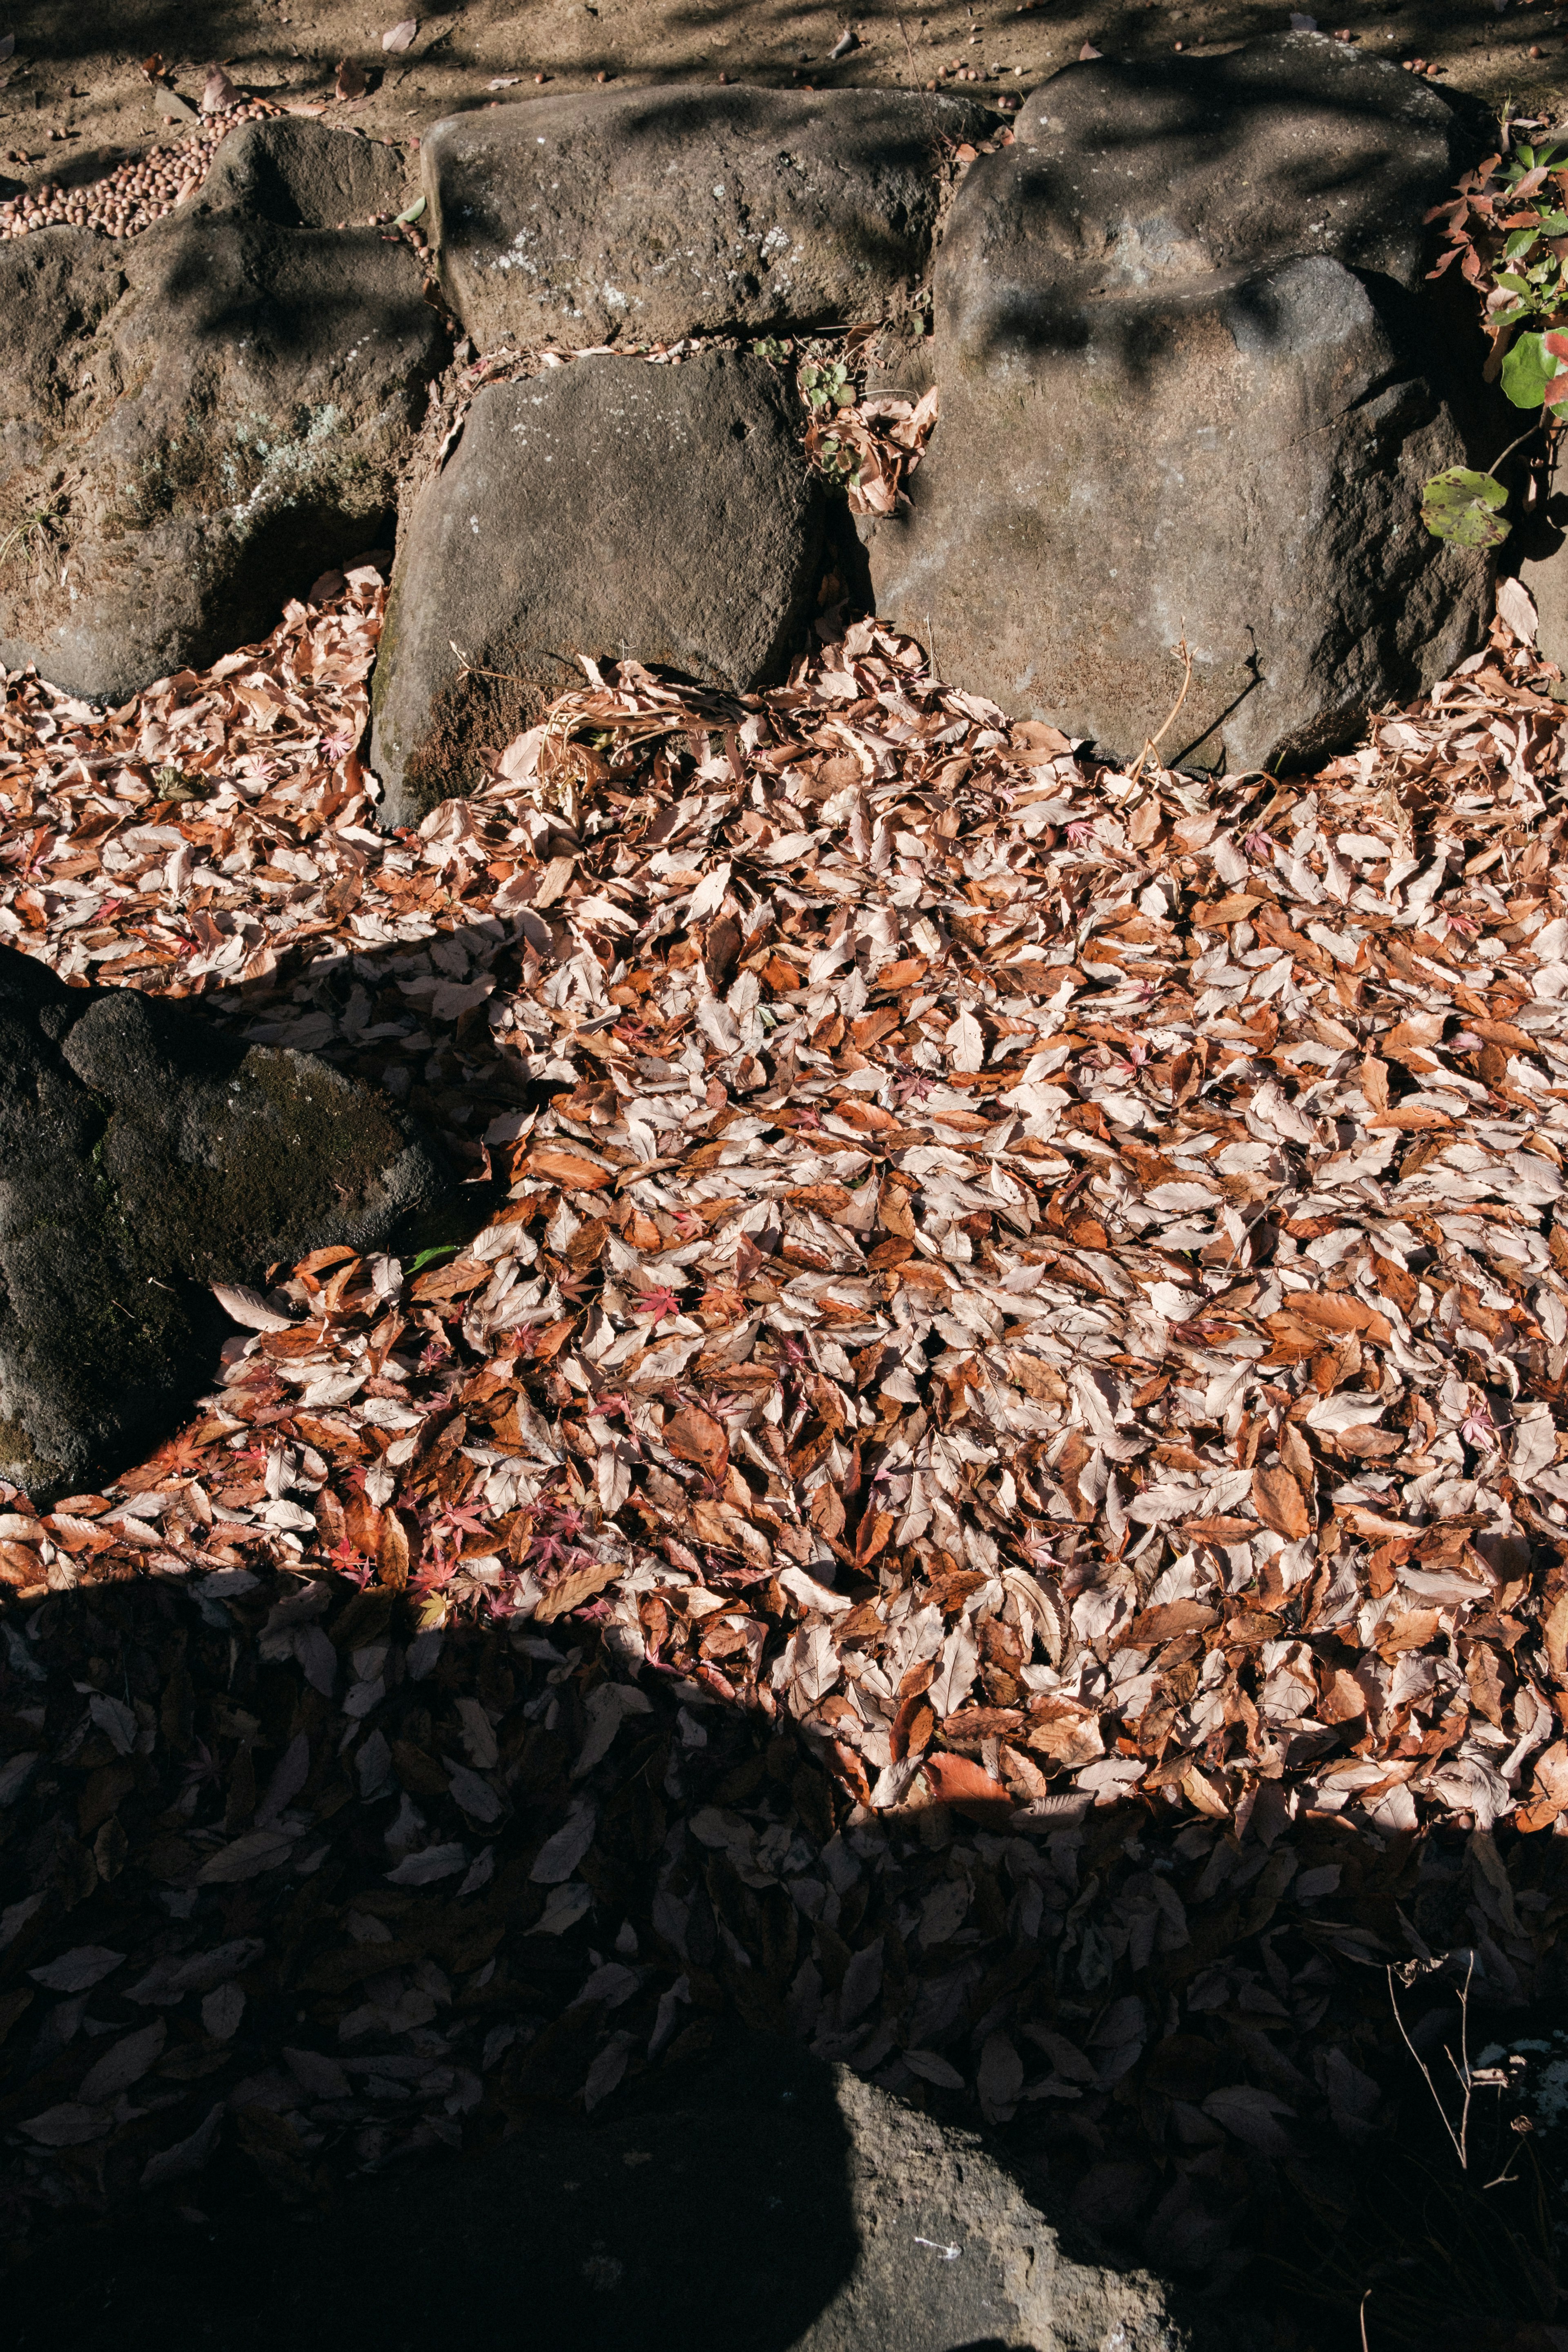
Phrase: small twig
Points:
(1154, 741)
(1148, 758)
(1364, 2304)
(908, 49)
(1149, 755)
(1460, 2136)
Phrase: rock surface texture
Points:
(296, 173)
(611, 505)
(1191, 385)
(647, 215)
(200, 420)
(142, 1158)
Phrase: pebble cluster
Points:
(137, 192)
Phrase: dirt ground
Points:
(73, 87)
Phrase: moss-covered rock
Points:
(143, 1157)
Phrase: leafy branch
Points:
(1507, 227)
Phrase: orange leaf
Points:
(1552, 1788)
(392, 1552)
(697, 1436)
(873, 1533)
(914, 1727)
(362, 1524)
(1281, 1504)
(20, 1565)
(850, 1770)
(1338, 1310)
(568, 1168)
(1410, 1115)
(453, 1281)
(1171, 1617)
(958, 1780)
(1225, 1530)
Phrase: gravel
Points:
(136, 193)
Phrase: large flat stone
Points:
(143, 1157)
(647, 215)
(610, 506)
(1191, 386)
(201, 419)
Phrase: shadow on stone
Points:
(145, 1154)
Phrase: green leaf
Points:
(1528, 370)
(415, 210)
(1461, 506)
(448, 1249)
(1519, 242)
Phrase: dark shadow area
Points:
(720, 2187)
(349, 2110)
(149, 1153)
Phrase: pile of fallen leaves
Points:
(983, 1484)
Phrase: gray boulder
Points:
(609, 506)
(646, 214)
(1191, 386)
(142, 1158)
(200, 420)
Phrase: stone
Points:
(142, 1157)
(1538, 546)
(1192, 382)
(303, 175)
(647, 215)
(607, 507)
(198, 421)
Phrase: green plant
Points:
(771, 348)
(1507, 227)
(1462, 505)
(828, 385)
(839, 463)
